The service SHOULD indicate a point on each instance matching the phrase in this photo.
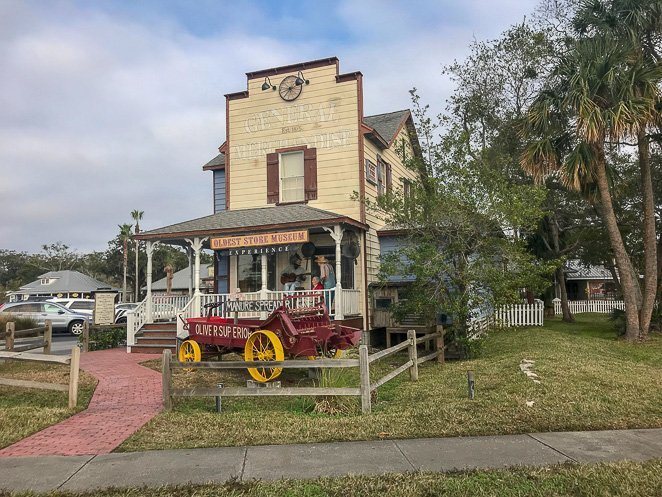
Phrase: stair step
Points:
(164, 325)
(159, 333)
(156, 340)
(152, 349)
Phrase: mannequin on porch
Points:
(293, 276)
(328, 278)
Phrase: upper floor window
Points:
(406, 188)
(47, 281)
(291, 177)
(384, 176)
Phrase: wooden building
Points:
(299, 153)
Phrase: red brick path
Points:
(127, 396)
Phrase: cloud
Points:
(109, 110)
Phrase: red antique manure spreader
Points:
(295, 331)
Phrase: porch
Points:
(257, 259)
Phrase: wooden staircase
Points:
(154, 338)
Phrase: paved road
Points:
(155, 468)
(62, 344)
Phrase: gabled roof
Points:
(64, 281)
(387, 125)
(181, 279)
(576, 270)
(217, 162)
(245, 220)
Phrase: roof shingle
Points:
(261, 217)
(387, 125)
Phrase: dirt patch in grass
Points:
(608, 480)
(24, 411)
(589, 381)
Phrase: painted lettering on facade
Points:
(281, 238)
(335, 139)
(290, 116)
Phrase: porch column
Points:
(149, 248)
(190, 272)
(265, 277)
(337, 234)
(196, 246)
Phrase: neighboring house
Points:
(298, 150)
(64, 284)
(182, 282)
(587, 282)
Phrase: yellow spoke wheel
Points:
(189, 351)
(264, 345)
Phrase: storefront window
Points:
(249, 273)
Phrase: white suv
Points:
(79, 306)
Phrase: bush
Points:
(19, 323)
(617, 317)
(106, 337)
(460, 346)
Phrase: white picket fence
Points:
(583, 306)
(509, 316)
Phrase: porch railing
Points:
(351, 302)
(166, 307)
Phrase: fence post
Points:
(166, 377)
(413, 355)
(364, 370)
(86, 337)
(74, 369)
(48, 336)
(9, 335)
(439, 344)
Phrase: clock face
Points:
(288, 89)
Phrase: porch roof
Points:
(255, 220)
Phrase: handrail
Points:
(135, 319)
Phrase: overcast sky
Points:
(106, 107)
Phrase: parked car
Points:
(121, 311)
(80, 306)
(62, 318)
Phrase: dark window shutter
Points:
(389, 177)
(273, 179)
(310, 173)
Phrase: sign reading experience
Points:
(261, 240)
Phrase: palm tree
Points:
(591, 98)
(137, 217)
(637, 25)
(125, 236)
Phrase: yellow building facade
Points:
(299, 156)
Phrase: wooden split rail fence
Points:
(17, 351)
(363, 391)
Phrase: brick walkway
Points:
(127, 396)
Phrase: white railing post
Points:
(337, 234)
(130, 331)
(149, 248)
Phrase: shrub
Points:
(106, 337)
(19, 323)
(617, 317)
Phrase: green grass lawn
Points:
(24, 411)
(589, 381)
(601, 480)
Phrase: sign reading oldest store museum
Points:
(260, 240)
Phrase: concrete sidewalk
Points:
(155, 468)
